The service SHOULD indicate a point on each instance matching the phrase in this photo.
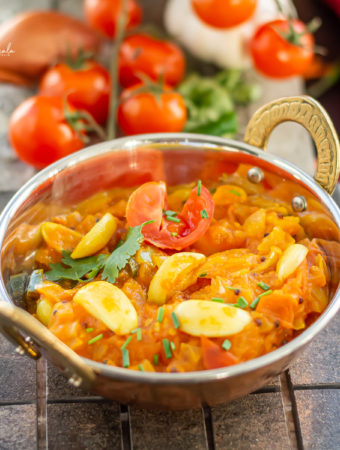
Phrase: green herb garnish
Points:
(199, 185)
(173, 233)
(204, 214)
(173, 346)
(226, 345)
(170, 213)
(203, 274)
(89, 330)
(173, 219)
(155, 359)
(175, 320)
(126, 358)
(160, 314)
(95, 339)
(126, 343)
(217, 299)
(257, 299)
(233, 191)
(138, 332)
(263, 285)
(167, 348)
(241, 302)
(140, 368)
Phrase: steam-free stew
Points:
(176, 278)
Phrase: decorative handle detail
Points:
(310, 114)
(15, 324)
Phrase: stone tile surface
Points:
(319, 418)
(17, 430)
(255, 422)
(78, 426)
(59, 388)
(167, 430)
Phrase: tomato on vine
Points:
(224, 13)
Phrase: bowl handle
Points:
(310, 114)
(29, 335)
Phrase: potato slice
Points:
(290, 260)
(96, 238)
(210, 319)
(109, 304)
(176, 273)
(59, 237)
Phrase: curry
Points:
(177, 278)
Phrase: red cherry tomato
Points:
(103, 15)
(86, 88)
(275, 56)
(215, 356)
(224, 13)
(143, 112)
(149, 202)
(141, 53)
(39, 132)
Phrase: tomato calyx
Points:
(79, 60)
(148, 86)
(82, 123)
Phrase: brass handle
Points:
(310, 114)
(30, 335)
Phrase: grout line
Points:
(125, 427)
(209, 428)
(290, 412)
(267, 390)
(41, 379)
(93, 399)
(14, 403)
(314, 387)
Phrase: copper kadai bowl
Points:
(176, 158)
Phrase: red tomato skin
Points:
(141, 53)
(87, 88)
(39, 133)
(214, 356)
(103, 15)
(224, 13)
(148, 202)
(274, 56)
(144, 113)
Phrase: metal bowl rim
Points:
(204, 143)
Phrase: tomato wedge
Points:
(215, 356)
(169, 229)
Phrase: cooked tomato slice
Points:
(215, 356)
(173, 231)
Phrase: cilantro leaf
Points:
(77, 268)
(121, 255)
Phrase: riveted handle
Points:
(310, 114)
(31, 336)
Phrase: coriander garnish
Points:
(199, 185)
(167, 348)
(204, 214)
(226, 345)
(175, 320)
(126, 343)
(95, 339)
(160, 314)
(263, 285)
(126, 358)
(257, 299)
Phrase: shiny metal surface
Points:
(183, 156)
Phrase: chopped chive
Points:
(212, 190)
(217, 299)
(204, 214)
(95, 339)
(168, 212)
(263, 285)
(173, 346)
(126, 343)
(242, 302)
(174, 233)
(89, 330)
(160, 314)
(235, 192)
(126, 358)
(167, 348)
(155, 359)
(138, 332)
(231, 288)
(140, 367)
(203, 274)
(175, 320)
(257, 299)
(199, 185)
(226, 345)
(173, 219)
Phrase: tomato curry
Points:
(177, 278)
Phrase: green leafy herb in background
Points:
(211, 101)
